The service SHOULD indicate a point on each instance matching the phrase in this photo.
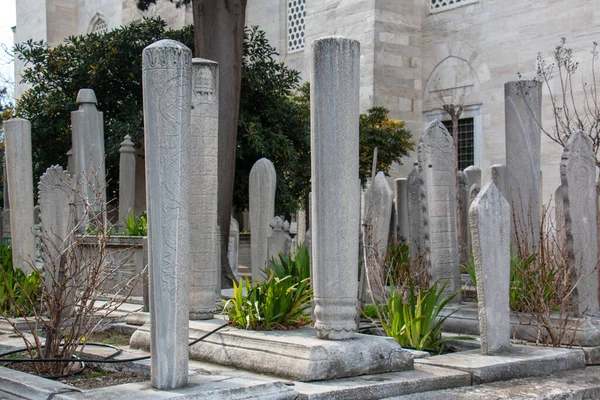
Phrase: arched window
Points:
(98, 25)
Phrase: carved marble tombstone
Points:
(262, 184)
(205, 249)
(126, 178)
(19, 174)
(498, 174)
(416, 206)
(234, 246)
(167, 85)
(437, 161)
(578, 180)
(523, 108)
(463, 205)
(278, 241)
(401, 209)
(335, 213)
(490, 231)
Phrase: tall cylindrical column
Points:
(335, 188)
(19, 174)
(167, 67)
(126, 178)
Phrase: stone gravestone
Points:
(416, 205)
(401, 208)
(490, 232)
(263, 181)
(278, 241)
(498, 175)
(88, 152)
(167, 86)
(126, 178)
(473, 192)
(559, 218)
(437, 161)
(234, 246)
(205, 269)
(378, 214)
(473, 174)
(578, 180)
(463, 205)
(56, 197)
(335, 188)
(17, 136)
(523, 108)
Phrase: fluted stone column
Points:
(126, 178)
(19, 174)
(88, 151)
(166, 79)
(205, 269)
(335, 188)
(523, 109)
(261, 187)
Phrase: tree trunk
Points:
(219, 36)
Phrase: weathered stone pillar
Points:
(437, 161)
(490, 233)
(335, 189)
(401, 204)
(205, 239)
(263, 181)
(234, 246)
(463, 208)
(19, 178)
(417, 204)
(167, 89)
(523, 109)
(88, 152)
(578, 181)
(126, 178)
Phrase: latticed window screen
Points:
(466, 141)
(296, 13)
(443, 5)
(100, 27)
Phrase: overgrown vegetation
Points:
(136, 226)
(19, 292)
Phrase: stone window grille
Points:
(100, 27)
(296, 14)
(436, 6)
(466, 141)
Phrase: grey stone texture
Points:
(126, 178)
(473, 192)
(438, 166)
(518, 362)
(490, 232)
(335, 187)
(88, 152)
(19, 176)
(523, 108)
(279, 241)
(233, 248)
(499, 175)
(463, 209)
(20, 385)
(578, 178)
(416, 206)
(167, 85)
(401, 209)
(474, 175)
(205, 248)
(262, 185)
(559, 218)
(56, 197)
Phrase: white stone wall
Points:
(91, 11)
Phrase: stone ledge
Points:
(294, 354)
(518, 362)
(27, 386)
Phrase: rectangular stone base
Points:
(518, 362)
(295, 354)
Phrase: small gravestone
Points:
(126, 178)
(578, 180)
(262, 184)
(490, 232)
(498, 174)
(234, 246)
(463, 207)
(437, 161)
(415, 209)
(279, 241)
(473, 174)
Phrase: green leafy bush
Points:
(416, 323)
(18, 292)
(298, 266)
(136, 226)
(276, 303)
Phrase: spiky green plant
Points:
(18, 291)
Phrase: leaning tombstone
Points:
(578, 180)
(263, 181)
(490, 232)
(17, 136)
(167, 86)
(205, 238)
(437, 161)
(278, 241)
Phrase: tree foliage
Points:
(111, 65)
